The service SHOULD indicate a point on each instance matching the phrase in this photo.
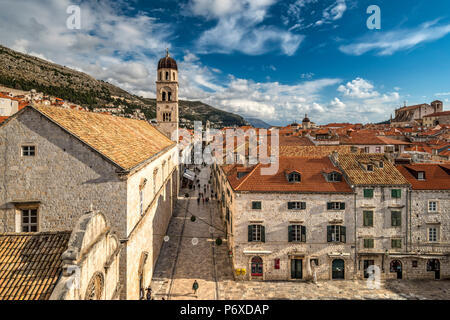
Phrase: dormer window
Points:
(421, 175)
(381, 164)
(334, 177)
(370, 167)
(241, 174)
(294, 177)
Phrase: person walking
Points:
(195, 287)
(198, 201)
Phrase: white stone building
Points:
(57, 163)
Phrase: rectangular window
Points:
(432, 206)
(396, 218)
(296, 205)
(414, 263)
(29, 220)
(432, 234)
(396, 243)
(336, 205)
(378, 150)
(421, 175)
(368, 218)
(336, 233)
(368, 193)
(256, 205)
(370, 167)
(277, 264)
(396, 193)
(28, 151)
(297, 233)
(368, 243)
(256, 233)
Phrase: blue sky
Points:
(274, 60)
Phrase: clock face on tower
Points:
(167, 97)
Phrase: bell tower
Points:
(167, 97)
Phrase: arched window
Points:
(169, 96)
(160, 75)
(167, 75)
(163, 96)
(257, 266)
(167, 116)
(95, 287)
(173, 76)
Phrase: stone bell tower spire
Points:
(167, 97)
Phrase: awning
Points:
(257, 252)
(188, 174)
(338, 254)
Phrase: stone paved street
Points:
(182, 261)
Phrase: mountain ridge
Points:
(25, 72)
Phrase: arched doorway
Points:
(434, 265)
(338, 269)
(257, 267)
(396, 266)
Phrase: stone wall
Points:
(91, 262)
(64, 178)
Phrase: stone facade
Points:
(91, 262)
(66, 178)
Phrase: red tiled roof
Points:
(312, 178)
(438, 114)
(437, 176)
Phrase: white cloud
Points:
(239, 28)
(333, 12)
(358, 88)
(387, 43)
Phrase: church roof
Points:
(167, 62)
(125, 142)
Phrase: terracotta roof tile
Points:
(30, 264)
(312, 177)
(126, 142)
(351, 164)
(437, 176)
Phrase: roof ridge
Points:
(248, 175)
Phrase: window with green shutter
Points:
(396, 243)
(336, 233)
(368, 193)
(368, 218)
(335, 205)
(256, 233)
(297, 233)
(396, 193)
(256, 205)
(396, 218)
(368, 243)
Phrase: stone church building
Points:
(59, 163)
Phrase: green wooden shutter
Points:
(342, 205)
(290, 233)
(303, 205)
(303, 234)
(250, 233)
(343, 234)
(290, 205)
(329, 205)
(263, 234)
(329, 231)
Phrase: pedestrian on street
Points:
(195, 287)
(198, 201)
(149, 293)
(203, 199)
(207, 199)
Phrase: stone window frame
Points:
(95, 288)
(257, 232)
(367, 191)
(27, 206)
(254, 207)
(399, 221)
(436, 207)
(296, 205)
(436, 229)
(396, 241)
(364, 220)
(28, 145)
(368, 241)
